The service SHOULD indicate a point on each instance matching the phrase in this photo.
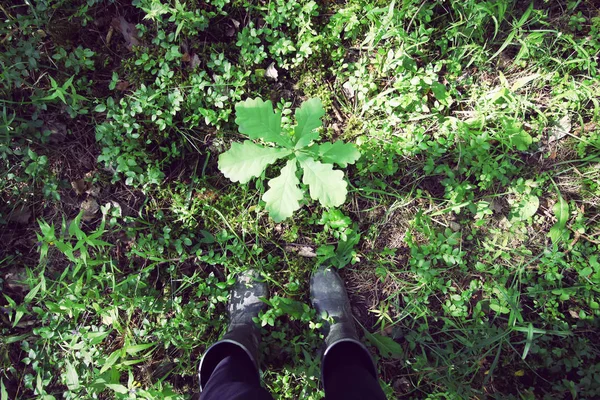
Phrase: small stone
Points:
(271, 72)
(348, 90)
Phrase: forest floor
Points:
(467, 234)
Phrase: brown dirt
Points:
(394, 230)
(433, 185)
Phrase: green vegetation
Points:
(248, 160)
(465, 222)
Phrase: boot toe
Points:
(245, 302)
(328, 293)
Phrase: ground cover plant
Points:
(248, 160)
(463, 215)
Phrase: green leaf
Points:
(3, 391)
(519, 83)
(117, 387)
(344, 254)
(439, 91)
(15, 338)
(513, 32)
(335, 219)
(97, 337)
(516, 135)
(113, 82)
(71, 377)
(20, 312)
(556, 233)
(247, 160)
(110, 361)
(528, 342)
(521, 140)
(499, 308)
(33, 292)
(74, 226)
(561, 211)
(257, 119)
(138, 347)
(386, 345)
(526, 208)
(324, 183)
(308, 116)
(100, 108)
(283, 195)
(339, 153)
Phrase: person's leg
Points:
(234, 378)
(347, 369)
(346, 375)
(229, 368)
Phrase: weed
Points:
(466, 231)
(241, 163)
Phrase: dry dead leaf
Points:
(128, 30)
(306, 251)
(560, 129)
(16, 279)
(93, 191)
(590, 126)
(303, 251)
(122, 86)
(90, 207)
(20, 215)
(58, 131)
(402, 385)
(109, 35)
(80, 186)
(195, 61)
(496, 206)
(336, 128)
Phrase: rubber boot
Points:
(330, 300)
(242, 333)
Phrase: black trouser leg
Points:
(235, 378)
(348, 378)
